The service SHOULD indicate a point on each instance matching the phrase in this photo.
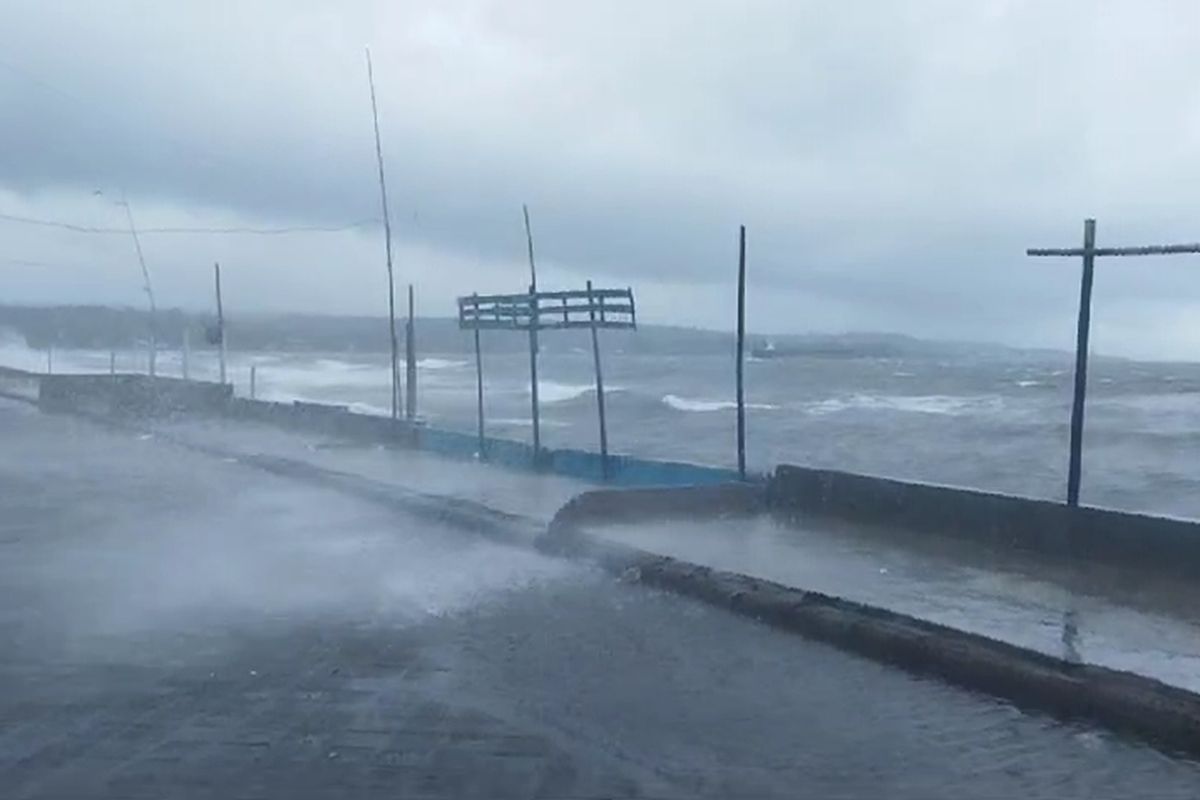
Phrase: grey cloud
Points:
(892, 161)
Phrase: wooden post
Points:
(479, 393)
(186, 353)
(253, 381)
(220, 323)
(49, 359)
(1081, 362)
(533, 373)
(741, 342)
(387, 242)
(599, 385)
(533, 339)
(410, 362)
(112, 362)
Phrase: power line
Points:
(68, 226)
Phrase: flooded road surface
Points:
(179, 625)
(1128, 620)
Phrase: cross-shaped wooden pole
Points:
(1089, 252)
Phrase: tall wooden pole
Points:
(410, 362)
(220, 323)
(741, 343)
(186, 354)
(599, 385)
(479, 394)
(533, 340)
(387, 242)
(1081, 362)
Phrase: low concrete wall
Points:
(18, 384)
(130, 395)
(1164, 715)
(1052, 530)
(715, 501)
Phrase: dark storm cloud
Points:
(891, 160)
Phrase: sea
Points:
(995, 420)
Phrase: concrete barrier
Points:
(1164, 715)
(1048, 529)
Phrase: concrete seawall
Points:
(1048, 529)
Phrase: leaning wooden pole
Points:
(533, 340)
(387, 243)
(741, 344)
(1075, 468)
(604, 469)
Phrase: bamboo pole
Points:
(387, 241)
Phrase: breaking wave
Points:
(691, 404)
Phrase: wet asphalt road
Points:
(179, 626)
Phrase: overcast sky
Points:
(891, 160)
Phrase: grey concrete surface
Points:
(180, 626)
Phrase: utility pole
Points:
(1089, 252)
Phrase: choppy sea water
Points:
(998, 422)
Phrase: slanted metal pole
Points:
(253, 381)
(741, 341)
(1081, 362)
(220, 324)
(599, 385)
(410, 362)
(49, 359)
